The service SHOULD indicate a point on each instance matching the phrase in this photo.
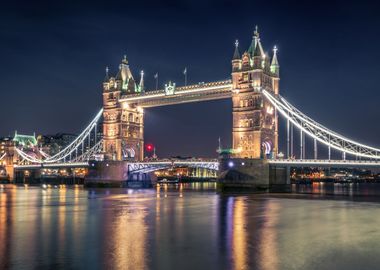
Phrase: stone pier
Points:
(258, 175)
(115, 174)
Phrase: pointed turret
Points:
(124, 77)
(258, 51)
(141, 85)
(258, 56)
(118, 75)
(274, 66)
(266, 62)
(254, 42)
(107, 77)
(236, 59)
(126, 73)
(236, 53)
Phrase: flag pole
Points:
(156, 77)
(185, 73)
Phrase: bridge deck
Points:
(325, 163)
(214, 164)
(185, 94)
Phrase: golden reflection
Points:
(3, 227)
(129, 239)
(76, 212)
(268, 237)
(239, 235)
(62, 215)
(158, 191)
(180, 190)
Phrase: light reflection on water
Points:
(190, 227)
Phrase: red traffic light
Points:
(149, 147)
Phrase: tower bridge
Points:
(256, 106)
(255, 122)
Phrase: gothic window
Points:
(110, 96)
(130, 117)
(136, 119)
(250, 122)
(241, 103)
(250, 103)
(268, 120)
(256, 103)
(256, 119)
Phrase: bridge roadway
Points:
(183, 94)
(325, 163)
(132, 166)
(213, 164)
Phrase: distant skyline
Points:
(53, 58)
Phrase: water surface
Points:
(190, 227)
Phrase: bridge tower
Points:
(255, 123)
(123, 126)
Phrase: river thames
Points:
(190, 226)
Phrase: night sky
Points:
(53, 57)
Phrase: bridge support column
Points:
(315, 149)
(287, 139)
(252, 174)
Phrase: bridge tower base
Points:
(242, 174)
(111, 173)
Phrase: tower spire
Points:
(255, 42)
(236, 53)
(274, 66)
(258, 50)
(141, 86)
(107, 77)
(118, 75)
(125, 61)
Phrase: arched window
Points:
(130, 117)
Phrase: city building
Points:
(9, 155)
(52, 144)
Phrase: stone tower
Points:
(123, 123)
(255, 123)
